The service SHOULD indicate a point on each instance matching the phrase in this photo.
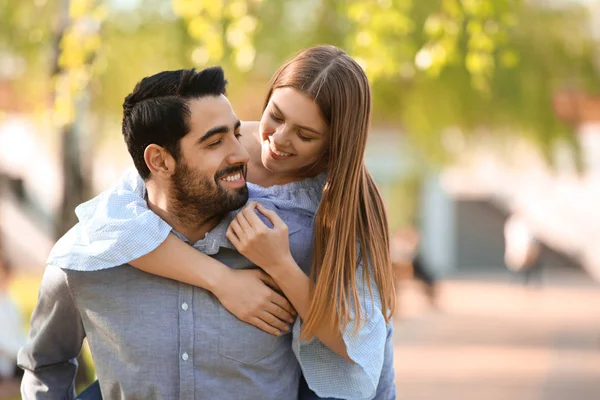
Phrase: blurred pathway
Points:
(493, 339)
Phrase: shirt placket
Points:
(186, 342)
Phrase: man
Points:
(153, 338)
(11, 334)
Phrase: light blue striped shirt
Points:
(117, 227)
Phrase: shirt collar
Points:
(214, 239)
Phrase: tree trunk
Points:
(76, 184)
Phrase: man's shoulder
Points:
(54, 281)
(59, 277)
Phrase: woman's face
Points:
(293, 134)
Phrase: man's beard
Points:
(196, 199)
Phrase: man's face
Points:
(210, 178)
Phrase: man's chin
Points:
(237, 198)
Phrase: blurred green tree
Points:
(436, 66)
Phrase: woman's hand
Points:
(269, 248)
(251, 295)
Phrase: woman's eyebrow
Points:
(298, 126)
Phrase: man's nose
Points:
(239, 155)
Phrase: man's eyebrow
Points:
(217, 130)
(307, 128)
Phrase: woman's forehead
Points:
(298, 108)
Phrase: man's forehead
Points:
(210, 111)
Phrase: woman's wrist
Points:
(284, 269)
(216, 278)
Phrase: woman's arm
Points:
(251, 295)
(118, 227)
(352, 356)
(269, 249)
(295, 285)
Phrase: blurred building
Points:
(465, 206)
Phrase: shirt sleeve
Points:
(114, 228)
(49, 356)
(330, 375)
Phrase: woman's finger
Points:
(252, 218)
(273, 321)
(233, 238)
(271, 216)
(263, 326)
(283, 303)
(237, 229)
(281, 313)
(243, 222)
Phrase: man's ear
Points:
(159, 161)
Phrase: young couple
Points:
(161, 272)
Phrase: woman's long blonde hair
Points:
(351, 223)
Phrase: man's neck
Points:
(158, 202)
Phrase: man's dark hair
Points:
(157, 111)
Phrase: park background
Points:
(482, 109)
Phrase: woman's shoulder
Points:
(305, 193)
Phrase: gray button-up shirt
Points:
(151, 338)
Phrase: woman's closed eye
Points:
(275, 117)
(302, 137)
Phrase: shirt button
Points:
(185, 356)
(184, 306)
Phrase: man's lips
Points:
(233, 177)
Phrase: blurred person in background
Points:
(11, 326)
(522, 251)
(407, 261)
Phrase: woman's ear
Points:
(159, 161)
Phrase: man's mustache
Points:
(231, 170)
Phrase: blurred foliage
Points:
(470, 65)
(26, 40)
(220, 27)
(79, 39)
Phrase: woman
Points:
(306, 161)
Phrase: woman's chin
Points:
(275, 166)
(272, 165)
